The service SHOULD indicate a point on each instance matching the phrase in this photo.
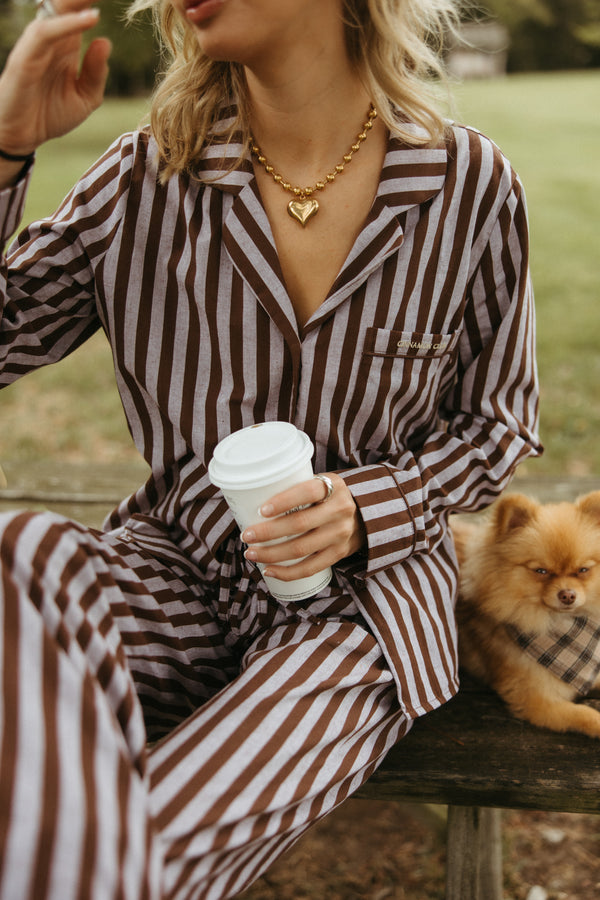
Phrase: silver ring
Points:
(328, 484)
(45, 9)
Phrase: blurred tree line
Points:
(544, 34)
(549, 34)
(135, 57)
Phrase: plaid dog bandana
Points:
(572, 655)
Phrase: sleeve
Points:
(488, 419)
(47, 280)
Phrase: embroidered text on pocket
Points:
(381, 342)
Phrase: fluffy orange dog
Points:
(529, 607)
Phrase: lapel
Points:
(410, 177)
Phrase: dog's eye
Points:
(583, 570)
(541, 571)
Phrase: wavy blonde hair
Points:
(397, 46)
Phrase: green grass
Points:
(70, 411)
(548, 125)
(61, 162)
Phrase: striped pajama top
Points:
(415, 378)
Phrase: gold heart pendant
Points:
(303, 210)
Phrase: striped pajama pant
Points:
(261, 718)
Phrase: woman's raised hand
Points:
(46, 89)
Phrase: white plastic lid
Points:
(259, 455)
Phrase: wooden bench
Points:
(476, 758)
(470, 755)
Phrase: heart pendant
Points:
(303, 210)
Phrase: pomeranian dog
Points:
(529, 607)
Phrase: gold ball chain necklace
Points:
(305, 205)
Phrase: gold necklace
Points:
(305, 206)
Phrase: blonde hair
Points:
(397, 46)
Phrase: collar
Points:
(409, 177)
(571, 653)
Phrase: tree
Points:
(550, 34)
(13, 17)
(135, 54)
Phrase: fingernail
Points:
(248, 536)
(266, 510)
(251, 555)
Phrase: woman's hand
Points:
(46, 89)
(324, 533)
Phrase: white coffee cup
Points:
(251, 466)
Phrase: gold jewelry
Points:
(305, 206)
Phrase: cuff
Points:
(12, 204)
(390, 524)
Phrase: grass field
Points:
(549, 127)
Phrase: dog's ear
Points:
(590, 505)
(514, 511)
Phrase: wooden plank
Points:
(490, 853)
(474, 854)
(472, 752)
(69, 480)
(119, 478)
(84, 492)
(53, 484)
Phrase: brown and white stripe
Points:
(282, 712)
(415, 379)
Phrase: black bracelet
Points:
(13, 157)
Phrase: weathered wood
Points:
(462, 858)
(474, 854)
(112, 480)
(52, 484)
(115, 480)
(81, 491)
(490, 854)
(472, 752)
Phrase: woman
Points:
(376, 294)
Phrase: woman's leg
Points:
(312, 712)
(310, 716)
(73, 799)
(74, 819)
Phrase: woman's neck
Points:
(306, 110)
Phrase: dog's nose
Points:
(567, 597)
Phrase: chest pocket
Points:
(400, 379)
(379, 342)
